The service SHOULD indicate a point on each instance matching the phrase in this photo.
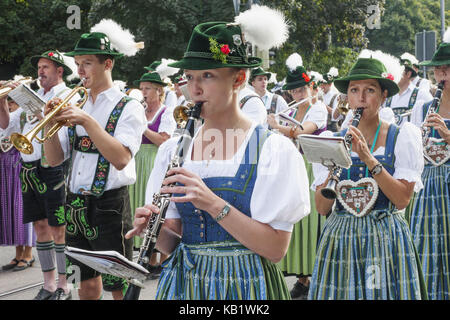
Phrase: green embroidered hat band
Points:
(224, 45)
(368, 68)
(107, 38)
(55, 56)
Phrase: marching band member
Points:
(12, 230)
(430, 216)
(365, 249)
(103, 139)
(43, 189)
(160, 127)
(259, 79)
(312, 114)
(232, 231)
(330, 97)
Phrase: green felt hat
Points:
(55, 56)
(368, 68)
(259, 72)
(216, 45)
(441, 56)
(94, 43)
(296, 78)
(150, 77)
(152, 67)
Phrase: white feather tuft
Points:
(273, 78)
(410, 57)
(121, 85)
(315, 76)
(293, 61)
(121, 39)
(446, 37)
(70, 62)
(391, 63)
(164, 70)
(264, 27)
(334, 72)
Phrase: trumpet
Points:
(294, 104)
(23, 143)
(181, 114)
(329, 191)
(5, 90)
(342, 106)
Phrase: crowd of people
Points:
(247, 203)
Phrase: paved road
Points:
(32, 277)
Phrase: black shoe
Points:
(27, 265)
(299, 292)
(14, 262)
(59, 294)
(155, 272)
(43, 294)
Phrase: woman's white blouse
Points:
(409, 162)
(168, 124)
(280, 196)
(318, 114)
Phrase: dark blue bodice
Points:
(358, 168)
(198, 225)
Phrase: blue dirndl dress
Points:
(209, 264)
(430, 225)
(367, 257)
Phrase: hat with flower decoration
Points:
(368, 68)
(224, 45)
(107, 38)
(55, 56)
(296, 76)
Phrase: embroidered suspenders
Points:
(85, 144)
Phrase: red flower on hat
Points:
(388, 76)
(305, 76)
(51, 54)
(225, 49)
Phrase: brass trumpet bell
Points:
(5, 90)
(181, 114)
(23, 143)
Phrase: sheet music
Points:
(325, 150)
(27, 99)
(109, 262)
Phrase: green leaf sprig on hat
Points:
(220, 52)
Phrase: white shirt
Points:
(267, 99)
(280, 197)
(327, 100)
(254, 108)
(60, 90)
(317, 114)
(129, 130)
(402, 100)
(171, 98)
(425, 84)
(168, 124)
(409, 162)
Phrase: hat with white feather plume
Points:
(442, 55)
(331, 75)
(296, 76)
(224, 45)
(107, 38)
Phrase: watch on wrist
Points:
(376, 169)
(224, 212)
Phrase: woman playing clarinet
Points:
(231, 201)
(365, 249)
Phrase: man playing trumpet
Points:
(42, 186)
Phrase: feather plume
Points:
(164, 70)
(315, 76)
(334, 72)
(293, 61)
(70, 62)
(410, 57)
(446, 37)
(264, 27)
(119, 84)
(121, 39)
(273, 78)
(391, 63)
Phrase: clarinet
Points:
(162, 200)
(329, 191)
(432, 109)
